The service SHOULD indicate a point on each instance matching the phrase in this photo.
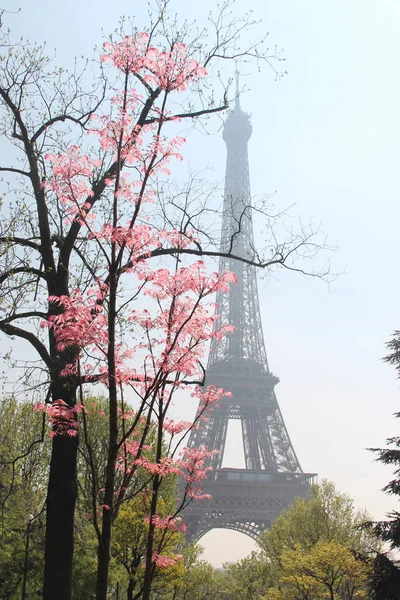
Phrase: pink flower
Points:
(163, 561)
(175, 427)
(62, 417)
(170, 70)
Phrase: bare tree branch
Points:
(41, 349)
(14, 170)
(17, 270)
(20, 241)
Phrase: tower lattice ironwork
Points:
(248, 499)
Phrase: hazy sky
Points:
(326, 138)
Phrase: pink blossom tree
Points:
(82, 234)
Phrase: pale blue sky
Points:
(326, 137)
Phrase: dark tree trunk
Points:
(149, 567)
(104, 550)
(129, 591)
(61, 499)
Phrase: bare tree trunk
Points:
(61, 499)
(129, 591)
(62, 485)
(104, 551)
(149, 566)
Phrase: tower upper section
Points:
(240, 306)
(237, 128)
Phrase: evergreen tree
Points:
(385, 583)
(388, 530)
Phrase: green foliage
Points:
(130, 545)
(389, 529)
(315, 539)
(129, 529)
(385, 580)
(85, 558)
(328, 570)
(298, 552)
(200, 581)
(24, 456)
(249, 578)
(326, 515)
(23, 491)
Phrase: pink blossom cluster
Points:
(163, 561)
(141, 146)
(193, 469)
(176, 333)
(210, 396)
(193, 278)
(70, 181)
(120, 130)
(128, 458)
(171, 523)
(182, 317)
(140, 240)
(168, 70)
(62, 417)
(81, 322)
(175, 427)
(165, 466)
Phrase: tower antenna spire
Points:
(237, 102)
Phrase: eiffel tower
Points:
(249, 499)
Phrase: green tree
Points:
(130, 530)
(249, 578)
(201, 582)
(324, 516)
(385, 582)
(322, 525)
(385, 579)
(24, 460)
(24, 456)
(389, 529)
(329, 570)
(129, 544)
